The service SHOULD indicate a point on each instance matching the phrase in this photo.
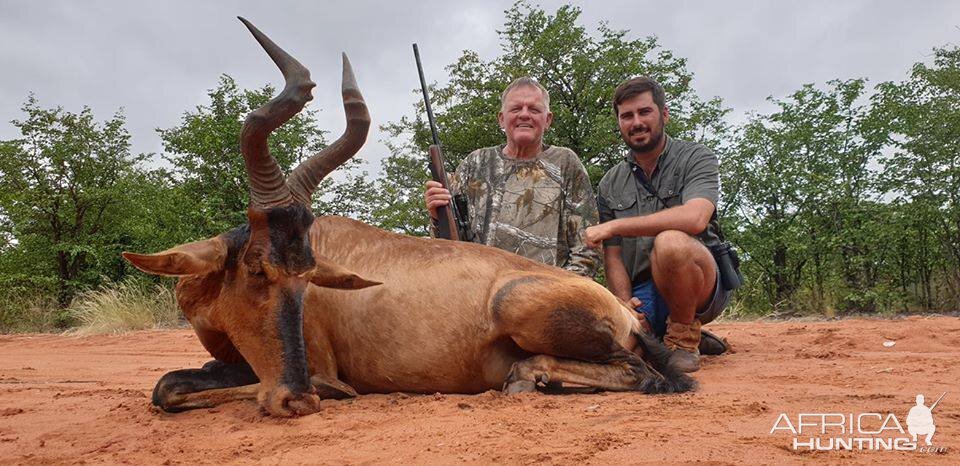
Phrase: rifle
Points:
(934, 405)
(452, 222)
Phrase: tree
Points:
(922, 116)
(801, 189)
(399, 193)
(580, 69)
(65, 188)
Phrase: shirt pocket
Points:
(670, 191)
(623, 206)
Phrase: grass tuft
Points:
(125, 306)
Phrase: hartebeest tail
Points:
(674, 380)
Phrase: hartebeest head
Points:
(246, 286)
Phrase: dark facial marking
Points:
(289, 238)
(290, 330)
(235, 239)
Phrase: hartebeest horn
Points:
(308, 174)
(267, 185)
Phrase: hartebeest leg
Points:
(581, 337)
(172, 389)
(626, 372)
(176, 395)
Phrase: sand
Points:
(69, 399)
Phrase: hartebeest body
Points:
(295, 308)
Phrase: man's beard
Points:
(650, 145)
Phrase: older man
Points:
(524, 196)
(658, 225)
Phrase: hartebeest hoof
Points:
(332, 389)
(283, 402)
(520, 381)
(520, 386)
(178, 390)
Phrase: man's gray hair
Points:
(526, 81)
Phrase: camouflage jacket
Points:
(536, 208)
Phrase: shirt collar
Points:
(543, 149)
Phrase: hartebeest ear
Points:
(197, 258)
(330, 275)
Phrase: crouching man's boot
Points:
(712, 344)
(683, 340)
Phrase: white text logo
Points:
(863, 431)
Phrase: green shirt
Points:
(685, 170)
(537, 208)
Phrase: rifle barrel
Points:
(426, 97)
(935, 403)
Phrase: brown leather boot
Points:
(683, 340)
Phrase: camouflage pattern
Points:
(536, 208)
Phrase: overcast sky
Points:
(158, 59)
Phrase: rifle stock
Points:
(447, 227)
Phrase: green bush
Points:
(22, 312)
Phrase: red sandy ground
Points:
(67, 399)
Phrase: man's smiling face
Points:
(641, 122)
(524, 116)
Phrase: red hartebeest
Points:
(295, 308)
